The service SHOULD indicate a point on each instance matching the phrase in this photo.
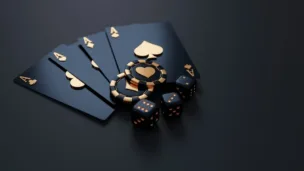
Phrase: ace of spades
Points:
(147, 49)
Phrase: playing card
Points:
(156, 41)
(97, 48)
(72, 59)
(52, 81)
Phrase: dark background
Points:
(247, 115)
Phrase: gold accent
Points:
(155, 64)
(150, 84)
(131, 87)
(151, 89)
(146, 110)
(144, 102)
(142, 119)
(112, 83)
(191, 72)
(147, 49)
(134, 80)
(138, 107)
(114, 32)
(144, 96)
(147, 71)
(169, 101)
(142, 109)
(28, 80)
(189, 69)
(74, 82)
(174, 94)
(115, 93)
(187, 66)
(142, 61)
(121, 75)
(60, 57)
(163, 71)
(127, 99)
(138, 121)
(127, 72)
(88, 42)
(94, 64)
(130, 64)
(161, 80)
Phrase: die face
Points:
(145, 108)
(175, 111)
(145, 114)
(185, 82)
(184, 93)
(171, 99)
(186, 86)
(171, 107)
(140, 121)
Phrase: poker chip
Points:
(145, 73)
(125, 92)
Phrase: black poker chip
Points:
(125, 92)
(145, 73)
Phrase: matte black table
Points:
(247, 115)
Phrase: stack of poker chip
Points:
(138, 81)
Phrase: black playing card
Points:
(74, 60)
(97, 47)
(50, 80)
(156, 41)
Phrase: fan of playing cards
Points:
(123, 65)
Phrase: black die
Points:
(145, 114)
(186, 86)
(171, 105)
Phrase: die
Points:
(144, 114)
(171, 105)
(186, 86)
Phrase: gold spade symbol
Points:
(131, 87)
(28, 80)
(60, 57)
(148, 49)
(74, 82)
(114, 32)
(88, 42)
(32, 82)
